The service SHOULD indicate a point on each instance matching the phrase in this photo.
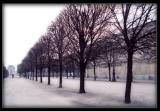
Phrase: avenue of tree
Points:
(84, 33)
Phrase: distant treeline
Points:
(5, 72)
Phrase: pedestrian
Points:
(12, 75)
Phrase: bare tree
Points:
(41, 56)
(5, 72)
(106, 46)
(36, 52)
(95, 55)
(31, 61)
(88, 22)
(107, 55)
(49, 49)
(134, 30)
(26, 66)
(59, 35)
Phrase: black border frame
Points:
(87, 1)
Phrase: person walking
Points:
(12, 75)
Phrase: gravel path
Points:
(21, 92)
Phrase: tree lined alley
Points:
(83, 33)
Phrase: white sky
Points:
(22, 27)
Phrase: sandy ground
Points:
(22, 92)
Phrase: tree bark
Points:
(60, 70)
(67, 74)
(36, 69)
(113, 78)
(82, 75)
(48, 64)
(82, 63)
(129, 77)
(36, 74)
(49, 75)
(33, 75)
(94, 70)
(41, 75)
(73, 72)
(27, 75)
(109, 69)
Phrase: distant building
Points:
(11, 70)
(144, 67)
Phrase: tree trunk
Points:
(36, 69)
(82, 75)
(67, 74)
(36, 74)
(113, 78)
(82, 63)
(48, 64)
(129, 77)
(27, 75)
(30, 75)
(73, 74)
(94, 70)
(73, 70)
(33, 74)
(49, 75)
(60, 70)
(41, 75)
(109, 69)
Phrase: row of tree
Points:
(82, 33)
(5, 72)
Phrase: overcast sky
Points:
(22, 27)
